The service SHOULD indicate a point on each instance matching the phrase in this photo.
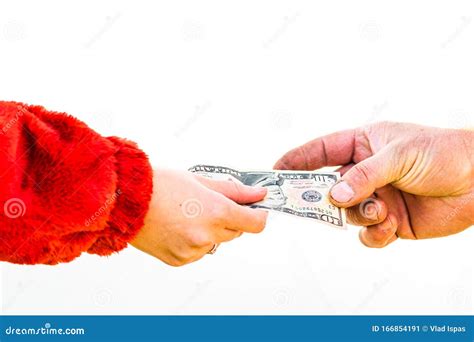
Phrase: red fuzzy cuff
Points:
(132, 198)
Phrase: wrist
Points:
(131, 199)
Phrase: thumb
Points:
(364, 178)
(236, 192)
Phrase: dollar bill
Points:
(299, 193)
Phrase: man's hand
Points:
(189, 214)
(399, 180)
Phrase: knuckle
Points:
(301, 150)
(199, 238)
(219, 211)
(363, 172)
(235, 188)
(229, 236)
(182, 254)
(175, 262)
(372, 239)
(385, 124)
(378, 127)
(381, 237)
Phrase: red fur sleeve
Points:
(64, 189)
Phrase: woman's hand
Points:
(399, 180)
(189, 214)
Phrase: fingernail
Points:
(342, 192)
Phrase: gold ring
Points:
(214, 249)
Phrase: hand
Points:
(410, 181)
(189, 214)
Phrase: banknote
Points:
(299, 193)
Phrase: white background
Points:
(238, 84)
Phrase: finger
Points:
(364, 178)
(237, 192)
(186, 254)
(369, 212)
(226, 235)
(198, 254)
(380, 235)
(397, 202)
(343, 169)
(201, 252)
(243, 219)
(331, 150)
(392, 239)
(191, 251)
